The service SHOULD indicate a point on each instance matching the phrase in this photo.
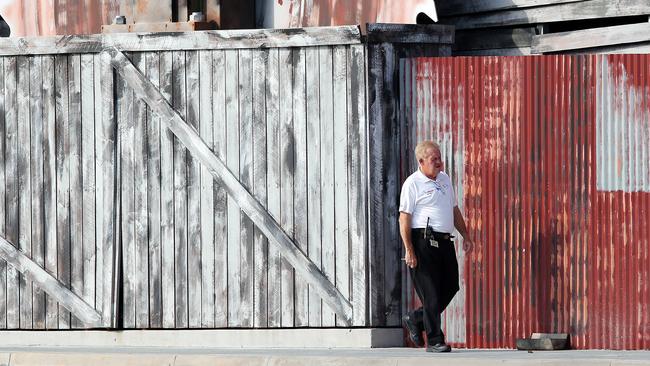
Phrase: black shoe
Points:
(439, 348)
(415, 333)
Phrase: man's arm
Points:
(459, 223)
(405, 232)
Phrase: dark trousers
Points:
(436, 282)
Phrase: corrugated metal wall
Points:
(550, 156)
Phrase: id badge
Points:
(433, 242)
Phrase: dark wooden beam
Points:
(463, 7)
(410, 33)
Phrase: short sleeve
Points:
(407, 197)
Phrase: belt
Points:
(435, 234)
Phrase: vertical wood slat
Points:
(89, 248)
(357, 146)
(11, 176)
(179, 99)
(287, 165)
(220, 133)
(49, 188)
(140, 220)
(313, 178)
(327, 172)
(193, 196)
(62, 180)
(76, 183)
(300, 181)
(37, 209)
(260, 300)
(207, 203)
(152, 65)
(341, 199)
(246, 177)
(24, 187)
(273, 188)
(3, 193)
(167, 200)
(126, 134)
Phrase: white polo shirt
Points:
(428, 198)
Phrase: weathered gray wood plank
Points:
(457, 7)
(207, 193)
(642, 47)
(76, 179)
(340, 176)
(246, 178)
(592, 9)
(589, 38)
(140, 219)
(287, 167)
(300, 181)
(179, 99)
(88, 101)
(3, 191)
(199, 40)
(410, 33)
(251, 207)
(62, 180)
(167, 200)
(37, 208)
(357, 145)
(219, 133)
(152, 61)
(11, 176)
(232, 160)
(126, 136)
(260, 288)
(328, 261)
(273, 181)
(49, 187)
(35, 273)
(313, 178)
(24, 186)
(106, 192)
(193, 196)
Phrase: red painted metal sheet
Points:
(550, 156)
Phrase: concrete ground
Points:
(144, 356)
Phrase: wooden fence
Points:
(283, 110)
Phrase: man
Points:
(428, 215)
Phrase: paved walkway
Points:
(125, 356)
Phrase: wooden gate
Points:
(232, 162)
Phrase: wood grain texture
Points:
(458, 7)
(193, 196)
(179, 102)
(199, 40)
(592, 9)
(207, 193)
(219, 133)
(324, 288)
(3, 191)
(301, 294)
(590, 38)
(49, 186)
(260, 292)
(167, 199)
(24, 186)
(152, 61)
(273, 181)
(287, 167)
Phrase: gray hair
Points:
(422, 148)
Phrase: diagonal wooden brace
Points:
(49, 284)
(190, 138)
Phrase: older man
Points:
(428, 215)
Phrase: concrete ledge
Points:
(209, 338)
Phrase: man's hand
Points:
(468, 245)
(410, 259)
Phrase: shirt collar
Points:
(425, 178)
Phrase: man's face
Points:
(431, 163)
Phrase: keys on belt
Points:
(434, 238)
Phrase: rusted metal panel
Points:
(310, 13)
(52, 17)
(550, 157)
